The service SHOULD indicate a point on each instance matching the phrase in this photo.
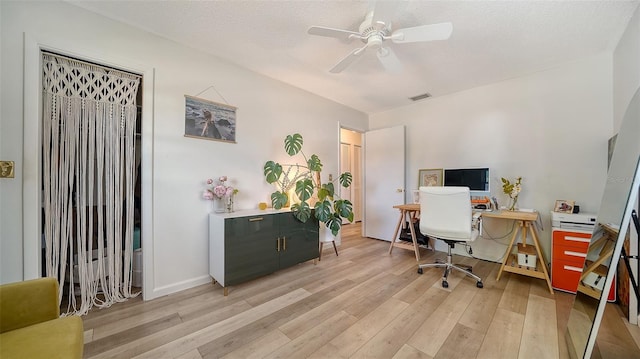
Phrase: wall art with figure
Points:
(209, 120)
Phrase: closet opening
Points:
(91, 202)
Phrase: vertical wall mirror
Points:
(618, 200)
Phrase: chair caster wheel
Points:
(479, 285)
(445, 284)
(419, 270)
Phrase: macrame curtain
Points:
(89, 115)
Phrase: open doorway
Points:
(351, 161)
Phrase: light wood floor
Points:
(361, 304)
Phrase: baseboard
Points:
(177, 287)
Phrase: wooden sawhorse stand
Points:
(408, 212)
(525, 223)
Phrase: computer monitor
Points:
(477, 179)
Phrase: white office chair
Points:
(445, 214)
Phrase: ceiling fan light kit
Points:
(374, 33)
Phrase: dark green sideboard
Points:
(248, 244)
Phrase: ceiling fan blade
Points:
(348, 60)
(329, 32)
(423, 33)
(389, 60)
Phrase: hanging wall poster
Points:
(209, 120)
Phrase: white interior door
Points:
(383, 181)
(357, 183)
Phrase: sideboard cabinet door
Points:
(299, 240)
(250, 248)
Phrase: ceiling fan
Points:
(374, 33)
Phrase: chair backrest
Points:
(445, 213)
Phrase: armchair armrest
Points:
(27, 303)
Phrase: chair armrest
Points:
(27, 303)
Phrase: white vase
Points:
(219, 205)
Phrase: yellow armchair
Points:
(30, 323)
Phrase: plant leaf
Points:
(314, 163)
(293, 144)
(344, 208)
(334, 223)
(279, 199)
(322, 193)
(301, 211)
(323, 210)
(304, 189)
(345, 179)
(272, 171)
(330, 189)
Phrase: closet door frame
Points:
(32, 149)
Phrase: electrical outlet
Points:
(6, 169)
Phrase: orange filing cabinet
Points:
(571, 235)
(567, 258)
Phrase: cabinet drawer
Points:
(579, 241)
(568, 254)
(565, 275)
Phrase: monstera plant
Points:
(305, 179)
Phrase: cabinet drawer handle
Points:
(575, 254)
(572, 268)
(577, 239)
(278, 245)
(284, 243)
(256, 219)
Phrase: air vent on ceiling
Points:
(420, 97)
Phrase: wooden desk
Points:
(408, 212)
(526, 223)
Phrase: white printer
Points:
(573, 221)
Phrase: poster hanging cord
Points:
(214, 89)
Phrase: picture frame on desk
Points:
(564, 206)
(431, 177)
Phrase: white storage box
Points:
(76, 269)
(136, 277)
(76, 272)
(596, 278)
(527, 255)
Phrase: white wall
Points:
(626, 69)
(268, 110)
(551, 128)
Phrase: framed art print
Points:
(209, 120)
(564, 206)
(430, 177)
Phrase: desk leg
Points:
(395, 234)
(507, 255)
(415, 241)
(536, 242)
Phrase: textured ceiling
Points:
(491, 41)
